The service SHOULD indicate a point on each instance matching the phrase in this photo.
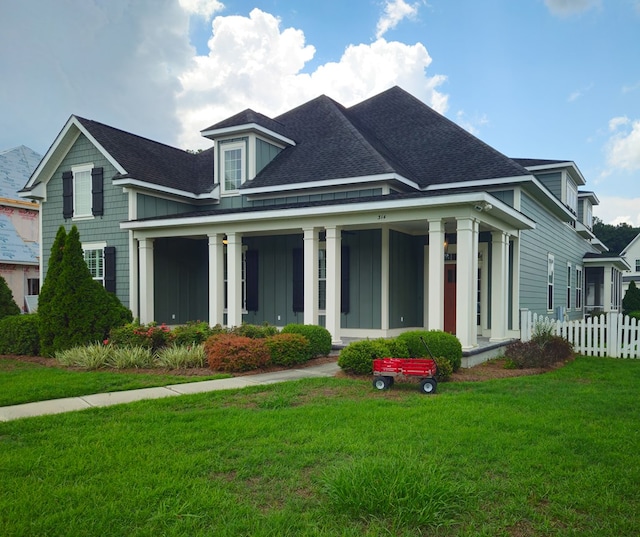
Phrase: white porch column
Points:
(499, 285)
(436, 275)
(384, 279)
(234, 279)
(474, 280)
(515, 283)
(216, 280)
(134, 304)
(311, 276)
(145, 249)
(466, 272)
(334, 258)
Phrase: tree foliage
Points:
(631, 300)
(8, 305)
(77, 310)
(616, 238)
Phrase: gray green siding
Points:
(151, 206)
(553, 181)
(505, 196)
(406, 269)
(99, 229)
(557, 238)
(265, 153)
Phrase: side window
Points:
(550, 281)
(101, 262)
(569, 273)
(82, 192)
(233, 172)
(578, 288)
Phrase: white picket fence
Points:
(613, 334)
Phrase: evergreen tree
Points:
(631, 300)
(51, 318)
(8, 305)
(90, 311)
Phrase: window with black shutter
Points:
(110, 269)
(67, 194)
(97, 195)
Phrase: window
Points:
(82, 192)
(588, 215)
(578, 288)
(94, 258)
(243, 270)
(637, 265)
(233, 166)
(569, 271)
(322, 279)
(572, 196)
(550, 280)
(33, 286)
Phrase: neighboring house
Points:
(19, 229)
(631, 253)
(369, 220)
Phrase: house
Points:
(19, 227)
(631, 254)
(370, 220)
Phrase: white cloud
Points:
(202, 8)
(394, 12)
(473, 124)
(252, 63)
(623, 148)
(579, 93)
(570, 7)
(615, 210)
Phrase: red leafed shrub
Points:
(229, 353)
(288, 349)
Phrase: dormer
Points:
(244, 145)
(586, 202)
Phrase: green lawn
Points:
(24, 382)
(553, 454)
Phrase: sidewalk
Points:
(58, 406)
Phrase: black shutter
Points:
(97, 198)
(298, 280)
(67, 195)
(110, 269)
(344, 287)
(252, 280)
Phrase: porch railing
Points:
(611, 334)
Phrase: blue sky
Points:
(556, 79)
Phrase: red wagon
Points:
(386, 370)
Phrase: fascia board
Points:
(631, 244)
(174, 192)
(213, 133)
(330, 183)
(515, 218)
(618, 262)
(561, 165)
(591, 196)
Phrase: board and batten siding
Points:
(265, 153)
(553, 181)
(153, 206)
(551, 236)
(104, 228)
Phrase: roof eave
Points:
(247, 127)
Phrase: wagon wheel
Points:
(382, 383)
(428, 386)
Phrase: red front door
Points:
(450, 298)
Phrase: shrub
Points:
(51, 318)
(357, 357)
(255, 331)
(129, 357)
(439, 343)
(19, 335)
(631, 300)
(193, 333)
(94, 356)
(181, 356)
(522, 355)
(634, 315)
(318, 336)
(288, 349)
(445, 369)
(149, 336)
(8, 305)
(231, 353)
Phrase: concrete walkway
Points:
(58, 406)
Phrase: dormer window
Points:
(572, 196)
(233, 164)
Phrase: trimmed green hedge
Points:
(439, 343)
(318, 336)
(19, 335)
(358, 356)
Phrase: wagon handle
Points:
(430, 353)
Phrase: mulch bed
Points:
(493, 369)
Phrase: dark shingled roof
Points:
(392, 132)
(526, 162)
(246, 117)
(153, 162)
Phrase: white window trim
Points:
(75, 170)
(322, 247)
(569, 292)
(232, 146)
(243, 280)
(92, 246)
(579, 277)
